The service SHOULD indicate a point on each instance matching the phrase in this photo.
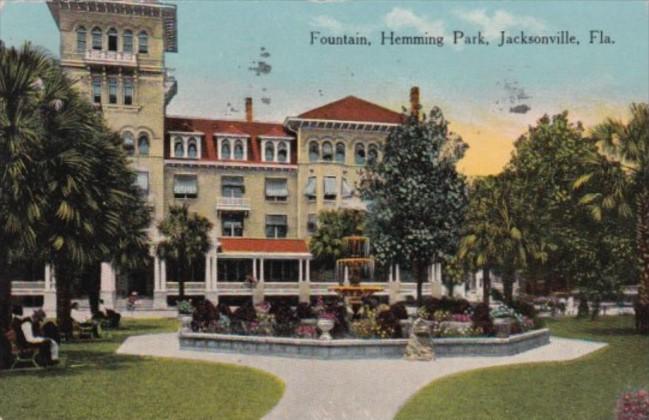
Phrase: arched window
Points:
(340, 152)
(96, 38)
(327, 152)
(225, 149)
(179, 147)
(238, 150)
(81, 39)
(359, 154)
(112, 39)
(128, 91)
(129, 143)
(269, 151)
(143, 42)
(314, 151)
(127, 41)
(192, 148)
(372, 153)
(282, 152)
(143, 144)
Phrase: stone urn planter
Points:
(503, 327)
(185, 322)
(406, 325)
(325, 325)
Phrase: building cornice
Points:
(253, 166)
(295, 123)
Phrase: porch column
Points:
(304, 288)
(108, 284)
(393, 286)
(49, 291)
(210, 282)
(437, 289)
(308, 271)
(258, 291)
(300, 277)
(160, 291)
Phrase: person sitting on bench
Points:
(48, 349)
(111, 317)
(83, 321)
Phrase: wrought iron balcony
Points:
(233, 203)
(117, 58)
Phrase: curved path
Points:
(351, 389)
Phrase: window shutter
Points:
(185, 185)
(309, 190)
(276, 187)
(330, 185)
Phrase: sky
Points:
(489, 94)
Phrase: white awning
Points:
(330, 185)
(142, 181)
(309, 190)
(346, 190)
(185, 184)
(276, 187)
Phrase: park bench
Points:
(22, 355)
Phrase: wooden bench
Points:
(22, 355)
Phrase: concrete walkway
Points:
(351, 389)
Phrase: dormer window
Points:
(225, 150)
(112, 39)
(238, 150)
(314, 151)
(282, 152)
(81, 39)
(276, 150)
(179, 148)
(372, 153)
(340, 152)
(192, 149)
(96, 39)
(186, 145)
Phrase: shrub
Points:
(524, 308)
(224, 309)
(305, 311)
(389, 324)
(399, 310)
(185, 307)
(306, 331)
(245, 312)
(204, 313)
(633, 406)
(482, 318)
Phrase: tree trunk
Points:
(420, 272)
(64, 280)
(5, 297)
(180, 273)
(486, 286)
(93, 274)
(508, 286)
(642, 238)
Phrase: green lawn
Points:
(583, 389)
(96, 383)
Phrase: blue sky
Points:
(220, 40)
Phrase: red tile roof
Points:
(209, 127)
(352, 108)
(294, 246)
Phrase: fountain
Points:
(355, 267)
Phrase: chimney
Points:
(249, 109)
(414, 100)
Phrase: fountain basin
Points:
(359, 348)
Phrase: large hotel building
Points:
(261, 184)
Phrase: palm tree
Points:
(623, 178)
(186, 240)
(20, 135)
(76, 177)
(494, 239)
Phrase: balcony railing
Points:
(111, 57)
(233, 203)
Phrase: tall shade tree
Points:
(622, 177)
(417, 197)
(186, 240)
(78, 177)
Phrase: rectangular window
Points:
(232, 223)
(281, 270)
(112, 90)
(276, 226)
(312, 223)
(96, 90)
(128, 91)
(234, 270)
(330, 190)
(142, 182)
(232, 186)
(127, 42)
(310, 189)
(276, 189)
(185, 186)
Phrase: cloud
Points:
(399, 18)
(500, 20)
(328, 23)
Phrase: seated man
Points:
(48, 349)
(83, 320)
(105, 313)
